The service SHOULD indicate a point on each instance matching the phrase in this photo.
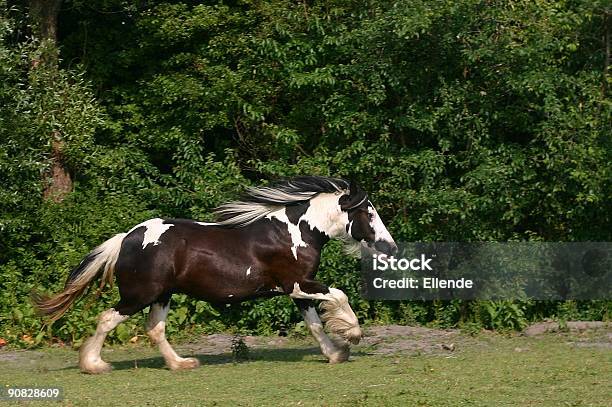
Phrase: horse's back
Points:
(205, 260)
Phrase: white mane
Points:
(258, 203)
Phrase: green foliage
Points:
(504, 315)
(240, 350)
(463, 120)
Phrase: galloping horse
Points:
(267, 244)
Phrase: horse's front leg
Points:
(334, 352)
(338, 315)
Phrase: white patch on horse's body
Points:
(207, 223)
(378, 226)
(294, 230)
(248, 271)
(323, 213)
(154, 229)
(230, 296)
(242, 213)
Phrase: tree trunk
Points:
(607, 24)
(43, 16)
(61, 182)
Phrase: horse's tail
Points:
(100, 260)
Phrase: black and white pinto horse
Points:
(267, 244)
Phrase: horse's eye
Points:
(370, 216)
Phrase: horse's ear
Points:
(354, 198)
(352, 185)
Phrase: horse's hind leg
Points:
(156, 329)
(90, 360)
(334, 352)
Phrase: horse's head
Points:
(364, 225)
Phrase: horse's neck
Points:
(314, 237)
(303, 232)
(324, 214)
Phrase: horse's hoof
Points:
(353, 335)
(340, 356)
(185, 364)
(96, 368)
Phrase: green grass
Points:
(491, 370)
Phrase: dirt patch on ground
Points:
(581, 334)
(386, 340)
(414, 340)
(390, 339)
(552, 326)
(19, 355)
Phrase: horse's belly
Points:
(226, 285)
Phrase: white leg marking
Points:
(339, 316)
(155, 228)
(89, 353)
(156, 329)
(298, 293)
(335, 354)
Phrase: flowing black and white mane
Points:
(260, 202)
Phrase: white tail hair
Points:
(100, 260)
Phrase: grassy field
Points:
(488, 370)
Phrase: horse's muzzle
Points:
(388, 248)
